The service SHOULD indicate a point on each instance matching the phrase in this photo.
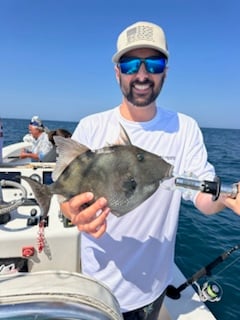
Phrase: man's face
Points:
(34, 131)
(141, 88)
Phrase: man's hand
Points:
(90, 219)
(233, 204)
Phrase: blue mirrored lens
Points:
(130, 65)
(155, 65)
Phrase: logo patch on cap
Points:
(140, 33)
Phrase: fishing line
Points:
(227, 266)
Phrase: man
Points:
(134, 254)
(39, 140)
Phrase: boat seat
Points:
(55, 295)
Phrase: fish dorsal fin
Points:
(67, 150)
(123, 138)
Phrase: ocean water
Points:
(200, 239)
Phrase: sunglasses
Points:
(35, 124)
(131, 65)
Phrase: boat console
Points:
(25, 244)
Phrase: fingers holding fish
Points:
(98, 225)
(90, 219)
(80, 201)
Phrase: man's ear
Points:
(117, 73)
(165, 72)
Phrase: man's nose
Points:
(142, 72)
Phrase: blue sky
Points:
(55, 57)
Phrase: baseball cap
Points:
(36, 122)
(141, 35)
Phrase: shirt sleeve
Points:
(197, 165)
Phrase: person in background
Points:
(40, 145)
(134, 254)
(51, 156)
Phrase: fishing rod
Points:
(215, 187)
(212, 290)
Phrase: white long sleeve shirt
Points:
(135, 255)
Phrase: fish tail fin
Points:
(42, 193)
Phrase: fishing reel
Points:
(210, 291)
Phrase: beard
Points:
(141, 100)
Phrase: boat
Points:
(11, 153)
(37, 280)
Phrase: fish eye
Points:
(132, 183)
(140, 156)
(129, 185)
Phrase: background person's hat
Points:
(141, 35)
(36, 122)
